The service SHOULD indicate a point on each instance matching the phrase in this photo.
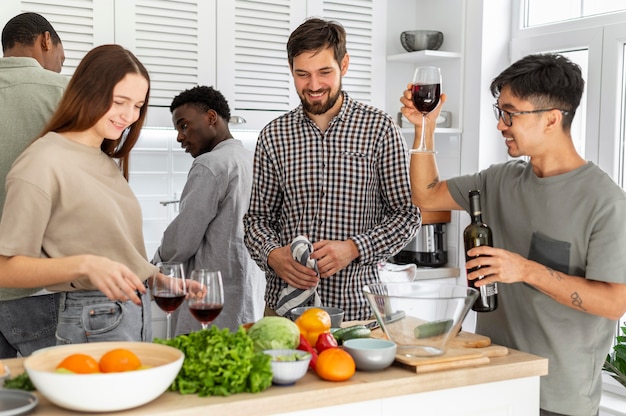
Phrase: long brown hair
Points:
(89, 95)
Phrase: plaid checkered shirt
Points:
(349, 182)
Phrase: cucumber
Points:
(350, 332)
(434, 328)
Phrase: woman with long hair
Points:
(71, 222)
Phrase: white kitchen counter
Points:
(507, 386)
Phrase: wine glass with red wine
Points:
(206, 295)
(169, 290)
(426, 92)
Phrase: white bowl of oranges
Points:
(103, 376)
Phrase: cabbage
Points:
(274, 333)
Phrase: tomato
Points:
(79, 364)
(312, 322)
(118, 360)
(334, 364)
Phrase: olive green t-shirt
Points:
(574, 223)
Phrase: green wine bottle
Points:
(477, 233)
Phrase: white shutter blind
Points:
(73, 21)
(357, 18)
(166, 36)
(261, 73)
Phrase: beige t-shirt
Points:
(65, 198)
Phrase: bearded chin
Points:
(318, 108)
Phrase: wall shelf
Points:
(438, 130)
(423, 57)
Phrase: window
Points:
(539, 12)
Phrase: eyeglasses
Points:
(507, 116)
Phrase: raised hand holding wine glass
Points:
(206, 295)
(426, 92)
(169, 290)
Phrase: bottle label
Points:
(489, 290)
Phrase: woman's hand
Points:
(114, 279)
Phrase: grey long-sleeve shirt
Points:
(208, 233)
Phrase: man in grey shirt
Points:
(207, 233)
(558, 232)
(30, 88)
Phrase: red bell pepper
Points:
(305, 346)
(325, 341)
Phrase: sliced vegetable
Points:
(350, 332)
(305, 346)
(434, 328)
(325, 341)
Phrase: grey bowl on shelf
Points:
(418, 40)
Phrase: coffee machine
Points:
(429, 248)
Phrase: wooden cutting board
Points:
(453, 358)
(466, 350)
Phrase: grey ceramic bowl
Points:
(371, 354)
(418, 40)
(336, 314)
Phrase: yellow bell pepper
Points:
(312, 323)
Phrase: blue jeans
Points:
(27, 324)
(89, 316)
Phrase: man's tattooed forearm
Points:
(433, 183)
(554, 274)
(577, 301)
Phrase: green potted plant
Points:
(615, 363)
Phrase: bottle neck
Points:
(475, 210)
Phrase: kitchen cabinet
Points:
(252, 69)
(236, 46)
(167, 37)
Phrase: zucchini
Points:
(434, 328)
(351, 332)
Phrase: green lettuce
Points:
(219, 362)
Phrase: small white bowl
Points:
(286, 372)
(371, 354)
(104, 392)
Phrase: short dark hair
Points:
(205, 98)
(24, 28)
(546, 80)
(317, 34)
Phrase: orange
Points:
(334, 364)
(79, 363)
(313, 322)
(118, 360)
